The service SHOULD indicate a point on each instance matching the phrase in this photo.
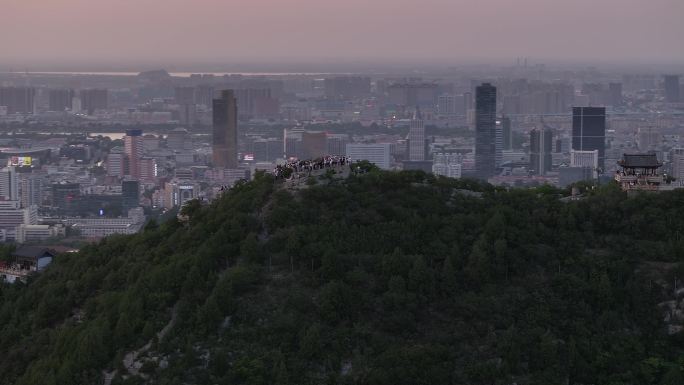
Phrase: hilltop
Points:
(376, 278)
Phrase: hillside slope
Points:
(383, 278)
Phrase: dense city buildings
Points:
(347, 87)
(176, 136)
(485, 131)
(413, 94)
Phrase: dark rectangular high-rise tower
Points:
(94, 99)
(589, 131)
(672, 88)
(18, 100)
(60, 99)
(485, 131)
(224, 141)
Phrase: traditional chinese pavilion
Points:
(639, 172)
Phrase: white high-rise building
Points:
(446, 105)
(12, 216)
(498, 143)
(378, 153)
(115, 162)
(27, 233)
(677, 162)
(417, 138)
(585, 159)
(31, 190)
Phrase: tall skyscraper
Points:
(507, 132)
(148, 169)
(677, 164)
(672, 88)
(133, 149)
(9, 184)
(224, 143)
(485, 131)
(31, 190)
(589, 131)
(116, 162)
(498, 144)
(541, 146)
(417, 138)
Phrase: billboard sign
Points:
(20, 161)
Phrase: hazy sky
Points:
(193, 31)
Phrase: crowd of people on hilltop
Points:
(293, 167)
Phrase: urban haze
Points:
(325, 192)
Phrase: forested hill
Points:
(381, 278)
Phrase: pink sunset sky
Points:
(380, 30)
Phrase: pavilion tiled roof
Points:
(640, 161)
